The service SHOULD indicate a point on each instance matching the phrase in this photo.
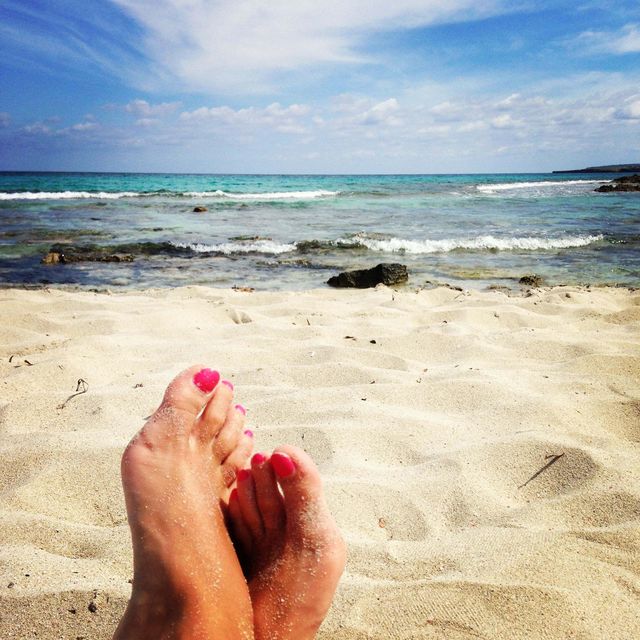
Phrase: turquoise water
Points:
(292, 232)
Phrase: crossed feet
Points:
(274, 577)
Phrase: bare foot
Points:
(174, 473)
(290, 547)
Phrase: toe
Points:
(190, 390)
(268, 495)
(215, 413)
(297, 474)
(240, 532)
(229, 436)
(183, 400)
(310, 525)
(249, 504)
(238, 458)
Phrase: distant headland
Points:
(609, 168)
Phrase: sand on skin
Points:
(426, 439)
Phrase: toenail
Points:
(249, 433)
(258, 458)
(206, 380)
(233, 495)
(283, 465)
(228, 383)
(243, 474)
(241, 409)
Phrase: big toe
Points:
(305, 506)
(183, 400)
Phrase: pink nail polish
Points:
(243, 474)
(249, 433)
(258, 458)
(206, 380)
(241, 409)
(283, 465)
(228, 384)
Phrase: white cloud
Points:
(37, 128)
(630, 111)
(382, 113)
(275, 116)
(625, 40)
(143, 108)
(244, 46)
(84, 126)
(147, 122)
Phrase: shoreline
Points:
(430, 414)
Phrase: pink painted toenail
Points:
(243, 474)
(229, 384)
(206, 380)
(283, 465)
(258, 458)
(241, 409)
(249, 433)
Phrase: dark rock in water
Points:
(532, 280)
(626, 183)
(59, 255)
(53, 258)
(200, 209)
(249, 238)
(384, 273)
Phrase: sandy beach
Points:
(481, 451)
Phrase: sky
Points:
(318, 86)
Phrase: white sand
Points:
(425, 438)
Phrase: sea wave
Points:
(392, 245)
(116, 195)
(508, 186)
(486, 243)
(68, 195)
(268, 247)
(269, 195)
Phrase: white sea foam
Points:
(115, 195)
(229, 248)
(268, 195)
(68, 195)
(398, 245)
(508, 186)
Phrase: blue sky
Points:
(318, 86)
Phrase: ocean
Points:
(295, 231)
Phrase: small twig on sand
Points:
(553, 458)
(81, 387)
(11, 357)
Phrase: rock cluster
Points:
(384, 273)
(626, 183)
(66, 257)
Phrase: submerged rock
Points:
(532, 280)
(82, 254)
(384, 273)
(53, 257)
(626, 183)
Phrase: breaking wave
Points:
(116, 195)
(508, 186)
(392, 245)
(275, 195)
(234, 248)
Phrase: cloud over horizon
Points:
(421, 85)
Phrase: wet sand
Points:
(481, 452)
